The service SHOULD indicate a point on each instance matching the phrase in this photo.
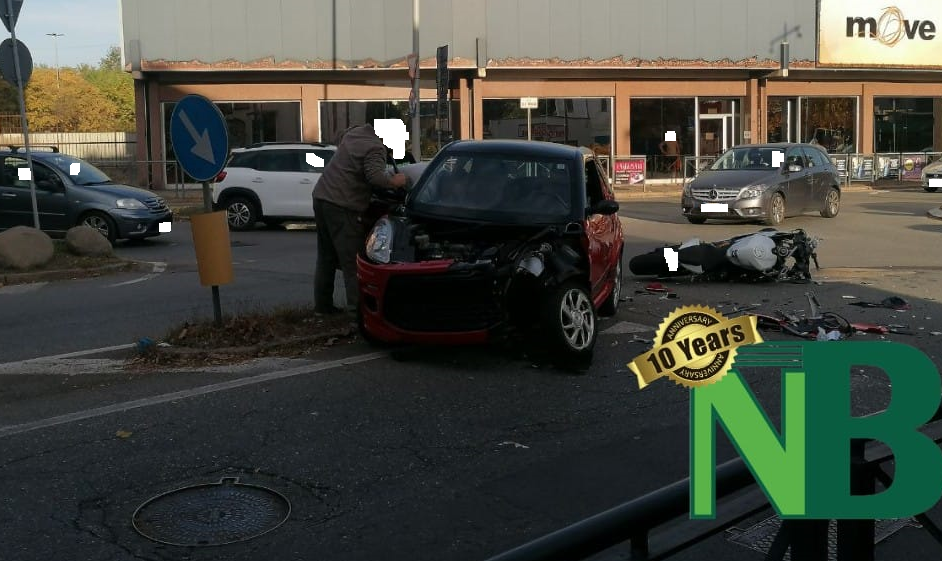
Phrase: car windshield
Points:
(753, 158)
(80, 171)
(492, 187)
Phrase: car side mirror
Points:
(605, 207)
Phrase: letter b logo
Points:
(805, 470)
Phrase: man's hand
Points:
(398, 181)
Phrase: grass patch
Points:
(284, 332)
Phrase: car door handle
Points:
(306, 182)
(8, 195)
(258, 180)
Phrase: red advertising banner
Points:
(629, 171)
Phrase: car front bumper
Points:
(426, 303)
(141, 223)
(932, 181)
(737, 209)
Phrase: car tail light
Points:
(221, 176)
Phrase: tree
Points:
(71, 105)
(116, 85)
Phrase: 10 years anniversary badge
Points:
(694, 346)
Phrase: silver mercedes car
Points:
(764, 182)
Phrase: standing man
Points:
(341, 197)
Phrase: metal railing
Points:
(644, 522)
(693, 165)
(890, 166)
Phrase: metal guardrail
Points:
(738, 497)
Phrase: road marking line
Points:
(22, 288)
(11, 430)
(133, 281)
(74, 354)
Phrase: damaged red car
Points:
(497, 238)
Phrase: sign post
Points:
(529, 103)
(442, 82)
(21, 74)
(200, 141)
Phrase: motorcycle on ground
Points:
(766, 255)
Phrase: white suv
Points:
(270, 182)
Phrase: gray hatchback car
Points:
(766, 182)
(70, 191)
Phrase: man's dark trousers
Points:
(340, 235)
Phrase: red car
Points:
(495, 238)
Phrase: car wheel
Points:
(775, 214)
(241, 214)
(101, 222)
(610, 306)
(931, 189)
(696, 219)
(832, 203)
(571, 321)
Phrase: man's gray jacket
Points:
(356, 169)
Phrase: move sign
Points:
(868, 33)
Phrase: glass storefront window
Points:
(902, 124)
(574, 121)
(830, 122)
(337, 116)
(650, 120)
(248, 123)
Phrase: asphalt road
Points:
(454, 454)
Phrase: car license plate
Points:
(164, 227)
(935, 182)
(714, 207)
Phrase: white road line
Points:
(11, 430)
(158, 267)
(74, 354)
(22, 288)
(133, 281)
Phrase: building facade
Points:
(615, 75)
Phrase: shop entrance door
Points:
(715, 134)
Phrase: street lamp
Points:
(55, 38)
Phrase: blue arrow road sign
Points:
(199, 136)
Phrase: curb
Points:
(69, 274)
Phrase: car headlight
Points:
(752, 192)
(379, 242)
(130, 204)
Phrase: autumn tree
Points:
(68, 104)
(116, 85)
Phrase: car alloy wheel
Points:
(240, 214)
(102, 224)
(577, 319)
(610, 306)
(832, 204)
(776, 209)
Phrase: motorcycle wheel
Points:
(648, 264)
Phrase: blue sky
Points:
(90, 27)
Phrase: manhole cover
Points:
(211, 514)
